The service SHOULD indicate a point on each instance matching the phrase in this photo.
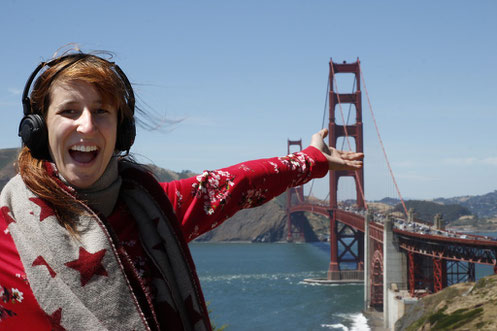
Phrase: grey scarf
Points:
(83, 281)
(103, 194)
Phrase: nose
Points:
(85, 123)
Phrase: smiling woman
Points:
(89, 239)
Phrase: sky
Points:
(229, 80)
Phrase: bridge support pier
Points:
(439, 274)
(367, 262)
(394, 275)
(334, 268)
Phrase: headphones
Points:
(33, 129)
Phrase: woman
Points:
(90, 240)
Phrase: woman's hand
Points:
(337, 160)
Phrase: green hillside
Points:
(426, 210)
(8, 157)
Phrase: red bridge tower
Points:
(340, 234)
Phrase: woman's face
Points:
(82, 132)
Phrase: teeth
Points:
(81, 148)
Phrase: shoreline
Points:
(374, 319)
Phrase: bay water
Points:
(251, 286)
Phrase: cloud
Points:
(14, 91)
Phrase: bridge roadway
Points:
(417, 237)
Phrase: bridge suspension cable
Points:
(322, 126)
(324, 116)
(326, 102)
(381, 142)
(347, 135)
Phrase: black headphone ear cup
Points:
(126, 133)
(34, 134)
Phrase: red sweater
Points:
(201, 203)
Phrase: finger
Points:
(323, 133)
(351, 155)
(353, 165)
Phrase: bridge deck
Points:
(421, 238)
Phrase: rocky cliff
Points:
(464, 306)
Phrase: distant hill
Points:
(164, 175)
(389, 201)
(480, 205)
(426, 210)
(8, 159)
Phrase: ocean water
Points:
(260, 287)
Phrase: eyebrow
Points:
(98, 102)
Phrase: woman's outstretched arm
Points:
(205, 201)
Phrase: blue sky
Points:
(245, 76)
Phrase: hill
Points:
(463, 306)
(389, 201)
(426, 210)
(164, 175)
(480, 205)
(8, 158)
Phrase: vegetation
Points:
(464, 306)
(426, 210)
(480, 205)
(213, 324)
(441, 321)
(483, 283)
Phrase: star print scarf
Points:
(83, 280)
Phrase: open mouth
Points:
(83, 154)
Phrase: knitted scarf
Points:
(84, 279)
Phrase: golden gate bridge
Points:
(390, 254)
